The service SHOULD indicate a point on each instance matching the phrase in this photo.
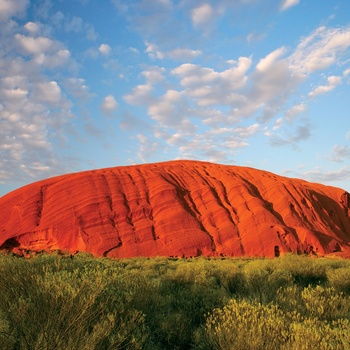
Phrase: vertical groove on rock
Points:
(40, 205)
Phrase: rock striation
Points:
(177, 208)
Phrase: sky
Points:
(88, 84)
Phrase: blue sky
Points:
(88, 84)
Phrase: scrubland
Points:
(57, 302)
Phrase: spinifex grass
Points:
(291, 302)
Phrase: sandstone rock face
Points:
(179, 208)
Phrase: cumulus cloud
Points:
(181, 54)
(34, 110)
(202, 97)
(301, 133)
(178, 54)
(286, 4)
(153, 51)
(109, 105)
(323, 48)
(333, 82)
(297, 109)
(78, 88)
(171, 111)
(32, 27)
(209, 87)
(148, 147)
(195, 99)
(10, 8)
(271, 88)
(323, 176)
(202, 15)
(34, 46)
(267, 62)
(76, 24)
(47, 92)
(140, 95)
(104, 49)
(43, 50)
(154, 75)
(340, 153)
(215, 145)
(246, 132)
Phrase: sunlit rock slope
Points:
(178, 208)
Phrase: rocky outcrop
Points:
(179, 208)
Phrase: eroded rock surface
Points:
(179, 208)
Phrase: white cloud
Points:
(216, 145)
(34, 110)
(205, 97)
(154, 74)
(78, 25)
(202, 15)
(77, 88)
(134, 50)
(32, 27)
(183, 54)
(291, 113)
(44, 51)
(278, 124)
(140, 95)
(171, 111)
(333, 82)
(271, 85)
(245, 132)
(323, 48)
(340, 153)
(301, 133)
(104, 49)
(153, 52)
(34, 46)
(324, 176)
(252, 37)
(109, 104)
(286, 4)
(178, 54)
(267, 62)
(74, 24)
(47, 92)
(56, 59)
(9, 8)
(209, 87)
(16, 95)
(148, 147)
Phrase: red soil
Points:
(179, 208)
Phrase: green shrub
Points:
(314, 334)
(241, 325)
(45, 306)
(339, 279)
(325, 303)
(304, 270)
(322, 303)
(58, 302)
(262, 280)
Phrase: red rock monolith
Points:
(178, 208)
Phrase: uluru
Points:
(179, 209)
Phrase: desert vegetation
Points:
(58, 302)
